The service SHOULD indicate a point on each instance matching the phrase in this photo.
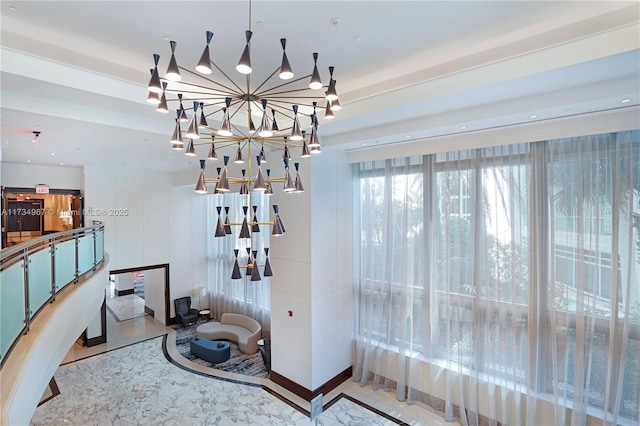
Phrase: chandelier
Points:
(210, 93)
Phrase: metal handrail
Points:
(21, 252)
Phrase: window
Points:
(518, 265)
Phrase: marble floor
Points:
(139, 378)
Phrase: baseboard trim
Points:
(308, 394)
(149, 311)
(123, 292)
(53, 389)
(96, 341)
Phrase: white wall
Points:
(29, 175)
(134, 206)
(313, 275)
(332, 266)
(149, 221)
(187, 242)
(154, 292)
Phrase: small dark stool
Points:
(214, 351)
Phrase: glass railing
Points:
(32, 273)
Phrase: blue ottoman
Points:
(213, 351)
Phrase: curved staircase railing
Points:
(34, 272)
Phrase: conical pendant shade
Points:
(153, 97)
(244, 230)
(173, 72)
(328, 114)
(203, 118)
(236, 275)
(227, 222)
(296, 132)
(162, 104)
(225, 125)
(249, 260)
(201, 186)
(289, 186)
(305, 150)
(298, 184)
(254, 226)
(335, 104)
(255, 272)
(220, 232)
(286, 155)
(183, 115)
(192, 131)
(244, 64)
(154, 83)
(269, 190)
(259, 184)
(331, 94)
(223, 182)
(190, 150)
(204, 64)
(313, 140)
(315, 83)
(278, 227)
(239, 159)
(265, 124)
(285, 68)
(267, 265)
(263, 155)
(212, 151)
(176, 138)
(274, 123)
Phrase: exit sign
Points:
(42, 189)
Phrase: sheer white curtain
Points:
(241, 296)
(479, 298)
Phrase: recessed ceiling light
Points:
(624, 101)
(28, 161)
(407, 136)
(53, 153)
(62, 164)
(532, 116)
(463, 127)
(357, 39)
(363, 144)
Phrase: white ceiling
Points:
(405, 70)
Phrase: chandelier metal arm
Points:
(227, 77)
(255, 91)
(293, 103)
(266, 92)
(218, 144)
(228, 89)
(200, 99)
(280, 146)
